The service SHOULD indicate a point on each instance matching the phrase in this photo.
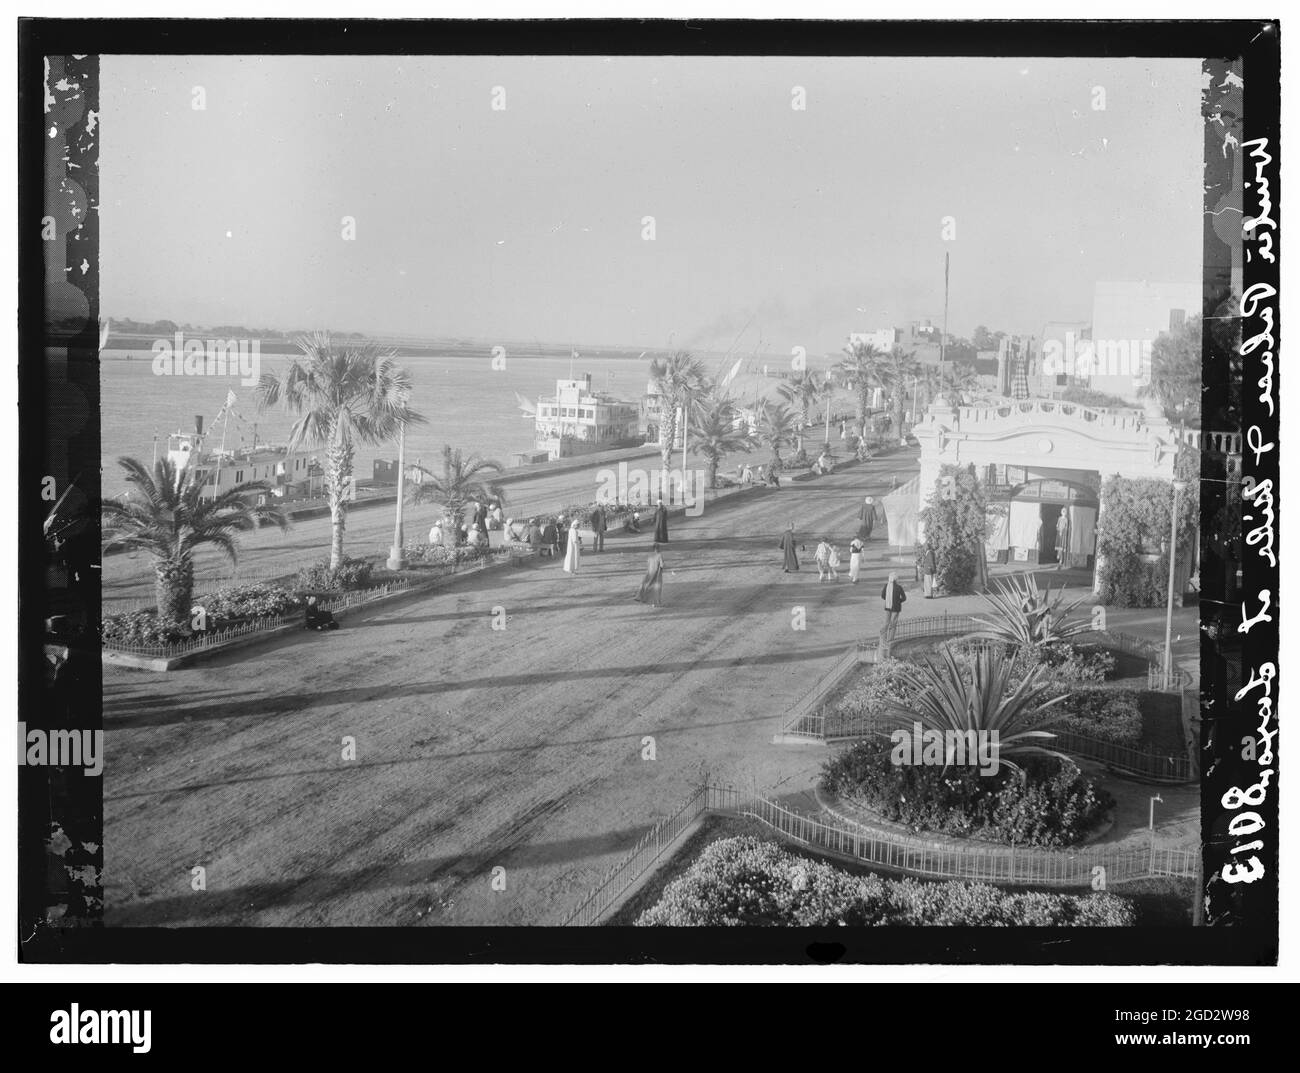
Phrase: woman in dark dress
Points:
(661, 523)
(787, 545)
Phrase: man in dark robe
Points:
(549, 538)
(787, 545)
(661, 523)
(652, 585)
(598, 528)
(866, 519)
(562, 537)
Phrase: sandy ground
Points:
(478, 749)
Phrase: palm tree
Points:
(166, 514)
(805, 390)
(898, 369)
(718, 430)
(462, 480)
(960, 381)
(859, 370)
(776, 428)
(342, 396)
(674, 378)
(946, 696)
(1026, 617)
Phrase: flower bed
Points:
(320, 578)
(442, 555)
(1054, 804)
(749, 881)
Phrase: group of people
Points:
(827, 559)
(746, 474)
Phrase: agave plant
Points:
(1024, 615)
(979, 694)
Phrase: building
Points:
(577, 420)
(1127, 317)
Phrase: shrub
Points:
(1065, 664)
(1108, 714)
(955, 524)
(1052, 805)
(248, 601)
(868, 697)
(351, 574)
(140, 628)
(750, 881)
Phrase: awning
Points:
(901, 508)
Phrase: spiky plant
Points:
(1025, 616)
(978, 694)
(167, 515)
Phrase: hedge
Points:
(751, 881)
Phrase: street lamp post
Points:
(395, 560)
(1169, 607)
(1151, 831)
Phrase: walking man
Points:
(928, 571)
(894, 597)
(598, 528)
(866, 519)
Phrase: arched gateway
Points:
(1042, 462)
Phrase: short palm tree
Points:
(776, 428)
(946, 694)
(674, 378)
(859, 371)
(898, 372)
(960, 381)
(462, 480)
(805, 390)
(1023, 615)
(166, 514)
(342, 397)
(718, 430)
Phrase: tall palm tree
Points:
(717, 430)
(859, 370)
(461, 480)
(674, 378)
(776, 428)
(804, 390)
(977, 694)
(166, 514)
(898, 371)
(342, 396)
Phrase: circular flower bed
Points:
(1053, 804)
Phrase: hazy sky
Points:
(526, 223)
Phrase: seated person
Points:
(317, 618)
(633, 523)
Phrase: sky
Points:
(774, 226)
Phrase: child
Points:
(822, 558)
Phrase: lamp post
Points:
(395, 561)
(1169, 607)
(1151, 831)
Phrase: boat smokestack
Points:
(198, 424)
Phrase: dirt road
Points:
(524, 748)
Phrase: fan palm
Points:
(859, 371)
(776, 428)
(462, 480)
(718, 430)
(674, 378)
(977, 694)
(166, 514)
(342, 396)
(1024, 615)
(804, 390)
(898, 370)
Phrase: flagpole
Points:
(943, 342)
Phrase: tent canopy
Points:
(901, 509)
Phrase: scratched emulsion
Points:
(65, 803)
